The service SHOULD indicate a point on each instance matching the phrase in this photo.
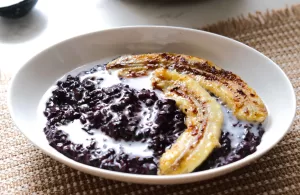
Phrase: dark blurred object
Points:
(17, 10)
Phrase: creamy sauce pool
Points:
(77, 135)
(235, 127)
(231, 124)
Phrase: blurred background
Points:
(51, 21)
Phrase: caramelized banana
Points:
(204, 119)
(239, 97)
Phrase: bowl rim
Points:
(155, 179)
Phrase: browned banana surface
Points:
(240, 98)
(204, 119)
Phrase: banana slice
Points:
(204, 119)
(239, 97)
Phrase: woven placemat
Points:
(25, 170)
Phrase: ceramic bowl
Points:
(261, 73)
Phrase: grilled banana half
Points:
(230, 88)
(188, 80)
(204, 119)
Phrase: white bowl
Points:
(37, 75)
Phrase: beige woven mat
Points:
(25, 170)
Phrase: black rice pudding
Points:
(123, 125)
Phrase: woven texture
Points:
(25, 170)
